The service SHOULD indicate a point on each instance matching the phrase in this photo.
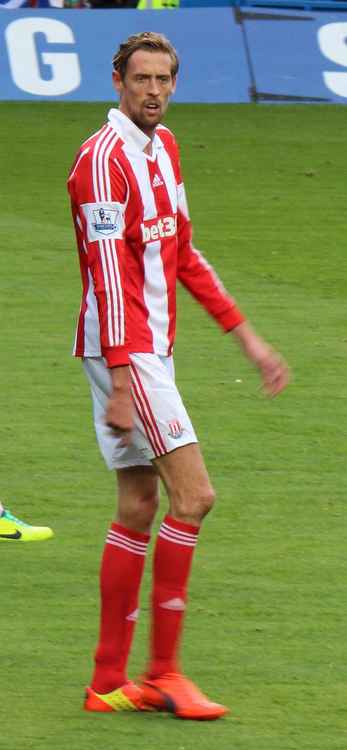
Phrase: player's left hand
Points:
(273, 369)
(274, 372)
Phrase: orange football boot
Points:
(173, 692)
(129, 697)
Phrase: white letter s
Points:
(332, 42)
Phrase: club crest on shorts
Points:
(175, 429)
(107, 220)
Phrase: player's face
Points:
(145, 89)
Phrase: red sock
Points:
(120, 577)
(172, 562)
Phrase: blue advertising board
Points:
(296, 55)
(67, 54)
(227, 55)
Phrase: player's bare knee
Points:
(139, 513)
(148, 506)
(207, 501)
(193, 507)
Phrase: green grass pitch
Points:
(266, 626)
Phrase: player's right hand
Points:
(120, 414)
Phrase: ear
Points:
(117, 82)
(174, 83)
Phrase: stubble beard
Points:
(148, 125)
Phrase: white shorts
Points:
(161, 422)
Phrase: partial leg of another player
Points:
(14, 530)
(190, 498)
(120, 579)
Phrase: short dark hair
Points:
(147, 40)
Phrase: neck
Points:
(148, 149)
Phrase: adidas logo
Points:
(157, 181)
(133, 615)
(177, 605)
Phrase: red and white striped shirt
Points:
(134, 239)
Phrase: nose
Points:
(153, 87)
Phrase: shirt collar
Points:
(129, 132)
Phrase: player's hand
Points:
(273, 368)
(274, 372)
(120, 407)
(119, 415)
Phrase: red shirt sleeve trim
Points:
(231, 318)
(116, 356)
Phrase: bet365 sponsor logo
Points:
(159, 229)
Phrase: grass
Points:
(266, 623)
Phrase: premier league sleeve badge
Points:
(104, 220)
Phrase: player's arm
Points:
(119, 412)
(99, 195)
(200, 279)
